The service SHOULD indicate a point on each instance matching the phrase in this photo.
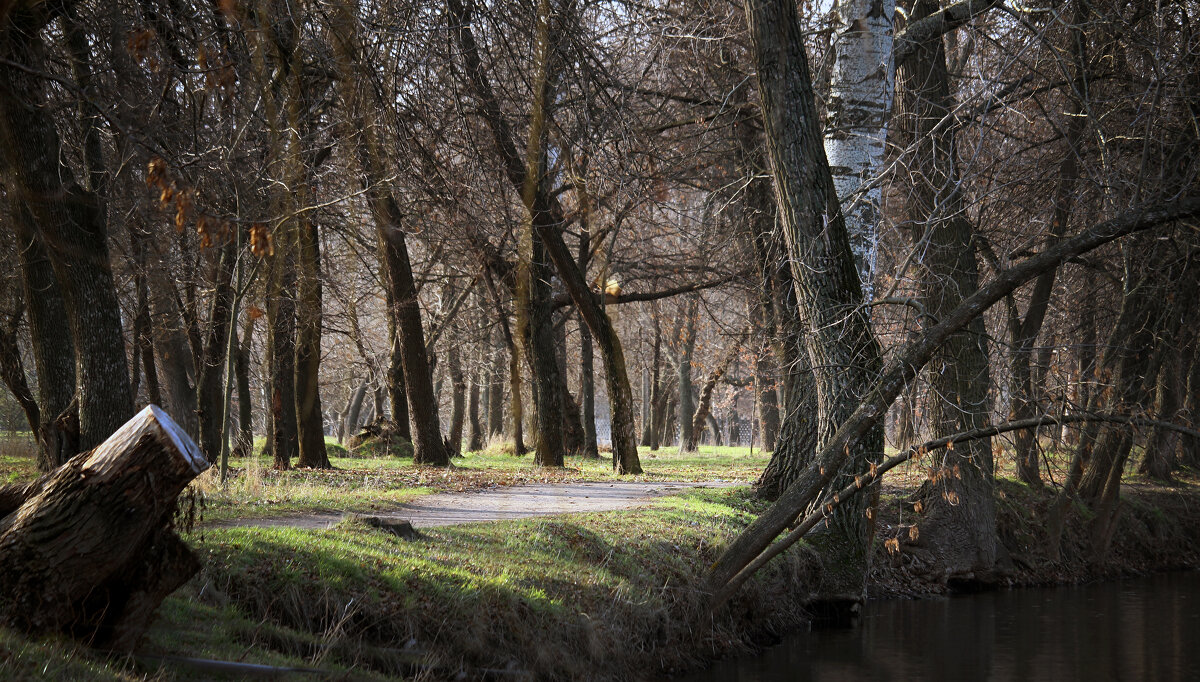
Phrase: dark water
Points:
(1144, 629)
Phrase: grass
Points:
(567, 593)
(18, 461)
(591, 596)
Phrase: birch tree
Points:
(859, 105)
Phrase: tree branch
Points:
(877, 471)
(936, 24)
(905, 365)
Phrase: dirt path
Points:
(497, 504)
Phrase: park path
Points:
(497, 504)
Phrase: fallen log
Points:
(91, 549)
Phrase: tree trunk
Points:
(683, 376)
(175, 357)
(841, 347)
(281, 331)
(704, 408)
(404, 308)
(858, 110)
(797, 436)
(244, 444)
(658, 399)
(777, 306)
(1159, 460)
(474, 428)
(516, 405)
(572, 423)
(766, 399)
(749, 551)
(143, 336)
(211, 385)
(714, 428)
(73, 225)
(397, 387)
(458, 385)
(310, 419)
(12, 373)
(1026, 332)
(539, 337)
(547, 219)
(647, 410)
(428, 447)
(1146, 328)
(92, 551)
(959, 523)
(495, 389)
(354, 410)
(53, 352)
(587, 389)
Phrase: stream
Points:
(1140, 629)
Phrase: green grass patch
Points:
(25, 658)
(595, 596)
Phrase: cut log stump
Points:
(89, 549)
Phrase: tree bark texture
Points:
(428, 447)
(657, 394)
(587, 392)
(175, 358)
(310, 420)
(683, 373)
(959, 518)
(52, 349)
(858, 109)
(572, 422)
(458, 400)
(72, 223)
(841, 347)
(281, 340)
(766, 399)
(143, 335)
(495, 389)
(244, 443)
(543, 364)
(91, 551)
(211, 385)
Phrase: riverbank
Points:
(603, 596)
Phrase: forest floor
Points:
(607, 595)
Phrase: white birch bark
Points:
(860, 103)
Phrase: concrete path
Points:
(498, 504)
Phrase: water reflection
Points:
(1146, 629)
